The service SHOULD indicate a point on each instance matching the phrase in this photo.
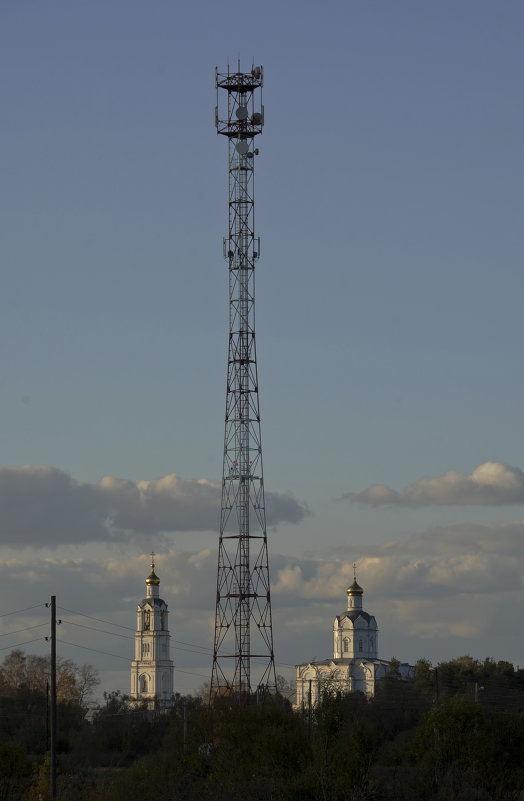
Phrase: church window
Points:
(145, 649)
(143, 684)
(346, 645)
(360, 645)
(147, 621)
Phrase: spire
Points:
(152, 581)
(354, 592)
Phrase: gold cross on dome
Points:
(152, 559)
(355, 570)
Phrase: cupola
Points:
(354, 592)
(152, 581)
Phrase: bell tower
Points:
(152, 669)
(355, 632)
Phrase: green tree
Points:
(13, 768)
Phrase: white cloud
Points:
(440, 593)
(490, 484)
(504, 538)
(436, 594)
(43, 506)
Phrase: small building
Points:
(355, 666)
(152, 669)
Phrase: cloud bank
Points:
(490, 484)
(415, 587)
(43, 506)
(439, 593)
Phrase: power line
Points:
(99, 620)
(13, 648)
(95, 650)
(28, 628)
(191, 650)
(128, 637)
(117, 656)
(203, 649)
(192, 673)
(194, 645)
(18, 611)
(100, 631)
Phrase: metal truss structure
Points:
(243, 659)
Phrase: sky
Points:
(389, 205)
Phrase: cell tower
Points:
(243, 627)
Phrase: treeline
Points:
(451, 734)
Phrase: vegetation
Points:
(452, 733)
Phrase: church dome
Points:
(152, 578)
(355, 589)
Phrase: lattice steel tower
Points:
(243, 627)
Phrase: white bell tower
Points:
(355, 632)
(152, 669)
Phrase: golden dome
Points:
(152, 578)
(355, 589)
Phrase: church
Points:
(355, 666)
(152, 669)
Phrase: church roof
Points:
(353, 614)
(153, 602)
(344, 661)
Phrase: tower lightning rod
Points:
(243, 658)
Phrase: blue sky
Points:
(389, 204)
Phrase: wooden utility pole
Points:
(53, 698)
(309, 712)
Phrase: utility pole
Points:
(309, 712)
(53, 697)
(243, 627)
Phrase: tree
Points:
(12, 767)
(13, 672)
(74, 683)
(24, 699)
(87, 680)
(286, 688)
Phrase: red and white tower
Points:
(243, 659)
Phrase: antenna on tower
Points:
(243, 658)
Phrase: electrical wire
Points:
(99, 620)
(95, 650)
(100, 631)
(194, 645)
(192, 673)
(5, 634)
(17, 611)
(18, 644)
(203, 650)
(106, 653)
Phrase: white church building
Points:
(152, 669)
(355, 666)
